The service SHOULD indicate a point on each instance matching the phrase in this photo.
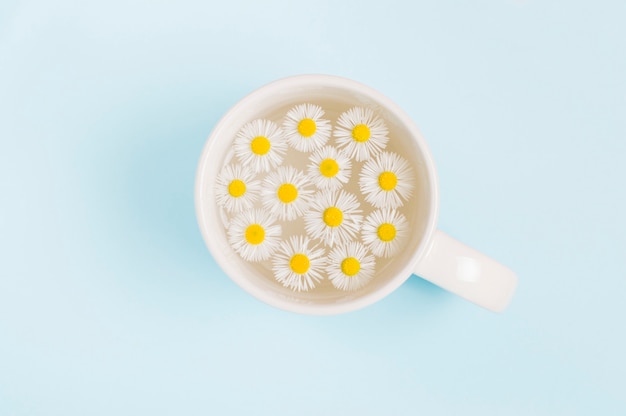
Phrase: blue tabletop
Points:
(110, 303)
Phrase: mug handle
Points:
(466, 272)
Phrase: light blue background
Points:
(110, 303)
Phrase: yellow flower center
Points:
(237, 188)
(361, 133)
(350, 266)
(260, 145)
(287, 193)
(387, 181)
(333, 217)
(255, 234)
(386, 232)
(329, 167)
(307, 127)
(299, 263)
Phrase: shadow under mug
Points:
(428, 253)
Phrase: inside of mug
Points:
(273, 104)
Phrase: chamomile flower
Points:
(236, 188)
(260, 145)
(334, 217)
(386, 181)
(361, 133)
(350, 266)
(305, 129)
(384, 231)
(329, 168)
(298, 266)
(254, 234)
(287, 193)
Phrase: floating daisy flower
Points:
(236, 188)
(384, 231)
(350, 266)
(254, 235)
(286, 193)
(329, 168)
(386, 181)
(298, 266)
(334, 217)
(305, 129)
(260, 144)
(361, 133)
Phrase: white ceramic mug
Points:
(429, 253)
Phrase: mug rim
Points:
(311, 80)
